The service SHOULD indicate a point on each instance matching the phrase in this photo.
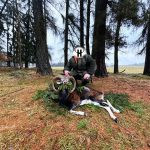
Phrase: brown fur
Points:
(75, 97)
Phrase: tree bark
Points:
(147, 57)
(81, 23)
(98, 52)
(28, 36)
(42, 59)
(116, 67)
(88, 27)
(66, 34)
(13, 36)
(18, 49)
(8, 52)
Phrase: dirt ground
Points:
(137, 88)
(26, 124)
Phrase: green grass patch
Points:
(121, 102)
(50, 100)
(91, 107)
(138, 107)
(46, 95)
(82, 124)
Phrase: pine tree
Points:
(99, 37)
(42, 59)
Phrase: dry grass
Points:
(27, 124)
(128, 69)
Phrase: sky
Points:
(127, 56)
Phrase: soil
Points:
(137, 89)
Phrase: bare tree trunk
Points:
(13, 36)
(19, 52)
(45, 20)
(8, 52)
(66, 34)
(116, 67)
(99, 37)
(147, 57)
(81, 23)
(42, 59)
(28, 36)
(88, 27)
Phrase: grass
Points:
(92, 133)
(128, 69)
(18, 74)
(10, 140)
(50, 100)
(11, 104)
(68, 142)
(89, 133)
(82, 124)
(121, 102)
(42, 124)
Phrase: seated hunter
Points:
(81, 66)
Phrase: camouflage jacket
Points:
(81, 66)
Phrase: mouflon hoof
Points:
(116, 120)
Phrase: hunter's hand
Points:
(86, 76)
(67, 73)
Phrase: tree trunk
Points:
(88, 27)
(8, 53)
(116, 67)
(147, 57)
(66, 34)
(42, 59)
(81, 23)
(13, 36)
(19, 51)
(98, 52)
(28, 37)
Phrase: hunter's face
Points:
(79, 52)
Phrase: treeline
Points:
(93, 24)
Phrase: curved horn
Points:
(54, 82)
(71, 78)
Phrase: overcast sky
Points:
(127, 55)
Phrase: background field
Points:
(128, 69)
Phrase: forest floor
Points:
(27, 124)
